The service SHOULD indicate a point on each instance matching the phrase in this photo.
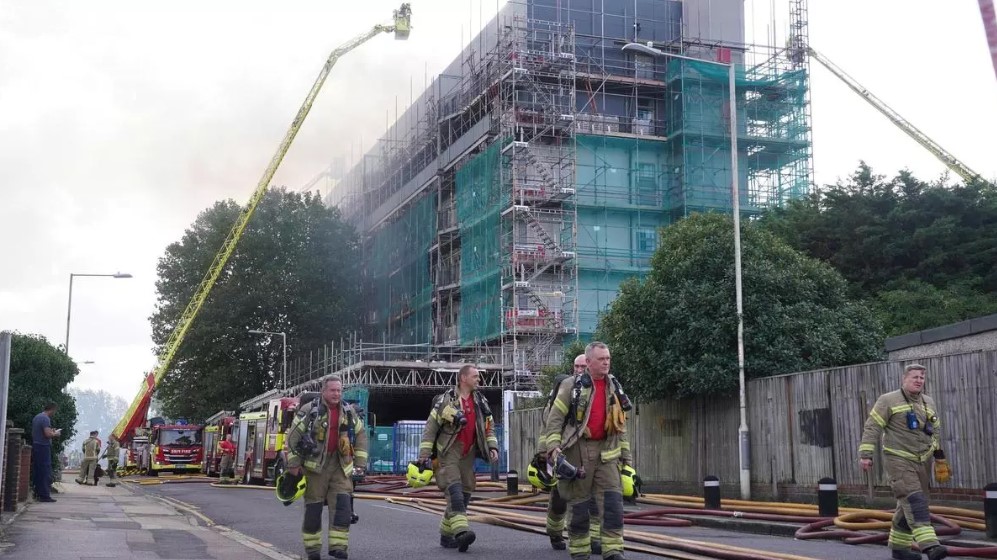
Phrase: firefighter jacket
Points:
(91, 448)
(441, 432)
(568, 420)
(353, 438)
(889, 415)
(545, 413)
(113, 451)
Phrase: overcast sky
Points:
(122, 120)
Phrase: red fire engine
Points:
(215, 429)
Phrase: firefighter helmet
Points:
(630, 480)
(419, 474)
(538, 476)
(290, 487)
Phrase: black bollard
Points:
(990, 509)
(512, 483)
(827, 497)
(711, 492)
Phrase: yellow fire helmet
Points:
(290, 487)
(418, 475)
(630, 480)
(539, 477)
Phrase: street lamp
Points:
(284, 336)
(69, 310)
(742, 431)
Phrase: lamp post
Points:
(744, 457)
(69, 310)
(283, 384)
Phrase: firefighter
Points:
(586, 431)
(459, 429)
(325, 438)
(227, 450)
(557, 506)
(910, 422)
(112, 452)
(88, 468)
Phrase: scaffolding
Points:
(501, 211)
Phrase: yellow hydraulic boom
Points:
(401, 28)
(903, 124)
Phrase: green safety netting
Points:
(773, 134)
(480, 199)
(402, 289)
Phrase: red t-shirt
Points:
(597, 419)
(227, 448)
(469, 432)
(332, 440)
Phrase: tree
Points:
(674, 334)
(545, 381)
(295, 270)
(902, 244)
(39, 374)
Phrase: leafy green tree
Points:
(39, 374)
(295, 270)
(914, 305)
(674, 333)
(547, 374)
(902, 244)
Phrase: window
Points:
(644, 64)
(646, 179)
(647, 239)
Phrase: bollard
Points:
(512, 483)
(711, 492)
(827, 497)
(990, 509)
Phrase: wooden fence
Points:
(804, 426)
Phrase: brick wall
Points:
(17, 470)
(24, 480)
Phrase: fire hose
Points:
(850, 526)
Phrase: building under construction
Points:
(501, 211)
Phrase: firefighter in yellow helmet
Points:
(586, 429)
(458, 430)
(912, 430)
(557, 507)
(325, 439)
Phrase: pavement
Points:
(97, 522)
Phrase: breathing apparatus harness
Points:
(584, 381)
(451, 411)
(307, 446)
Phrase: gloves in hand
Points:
(942, 471)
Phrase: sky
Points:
(123, 120)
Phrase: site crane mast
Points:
(903, 124)
(132, 418)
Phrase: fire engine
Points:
(260, 435)
(216, 428)
(175, 447)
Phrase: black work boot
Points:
(464, 540)
(557, 542)
(314, 556)
(447, 541)
(340, 554)
(615, 556)
(596, 547)
(905, 555)
(936, 552)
